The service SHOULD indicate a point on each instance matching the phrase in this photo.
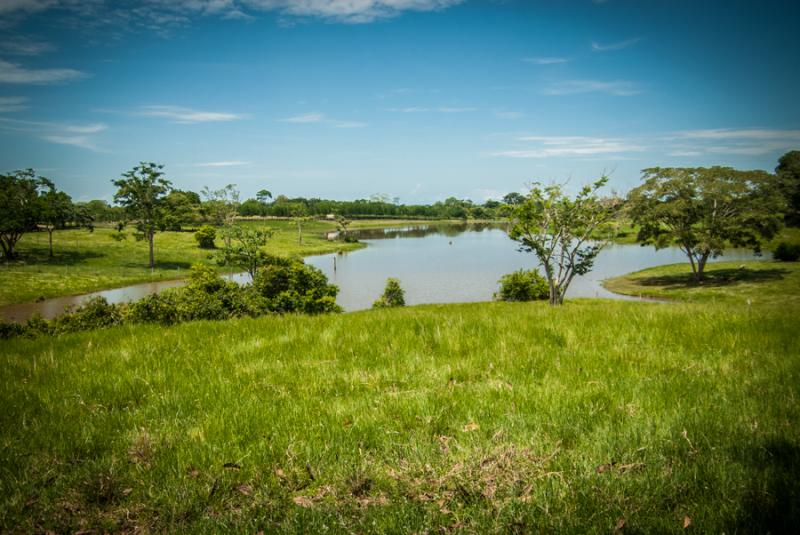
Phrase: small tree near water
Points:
(393, 295)
(561, 231)
(522, 285)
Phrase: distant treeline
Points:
(186, 208)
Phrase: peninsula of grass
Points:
(733, 283)
(484, 417)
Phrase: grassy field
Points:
(86, 262)
(485, 417)
(734, 283)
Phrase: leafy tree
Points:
(788, 172)
(514, 198)
(263, 195)
(244, 248)
(559, 229)
(141, 192)
(343, 223)
(703, 210)
(222, 206)
(393, 295)
(56, 210)
(180, 208)
(19, 208)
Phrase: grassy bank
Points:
(475, 418)
(86, 262)
(733, 283)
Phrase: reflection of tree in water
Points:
(420, 231)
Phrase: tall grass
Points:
(483, 417)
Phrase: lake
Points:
(436, 263)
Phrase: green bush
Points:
(155, 308)
(95, 313)
(205, 237)
(295, 287)
(787, 252)
(523, 285)
(393, 295)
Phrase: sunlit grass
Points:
(486, 417)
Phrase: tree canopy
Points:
(19, 207)
(561, 231)
(142, 192)
(703, 210)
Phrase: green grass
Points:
(86, 262)
(734, 283)
(485, 417)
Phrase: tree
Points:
(703, 210)
(244, 248)
(222, 206)
(559, 230)
(343, 223)
(141, 192)
(514, 198)
(55, 209)
(180, 208)
(263, 195)
(19, 208)
(788, 172)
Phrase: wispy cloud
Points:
(84, 142)
(619, 88)
(12, 73)
(10, 104)
(440, 109)
(351, 11)
(561, 146)
(162, 15)
(546, 60)
(181, 115)
(230, 163)
(19, 46)
(509, 115)
(310, 118)
(304, 118)
(600, 47)
(78, 135)
(741, 133)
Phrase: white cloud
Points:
(350, 11)
(441, 109)
(737, 141)
(741, 133)
(310, 118)
(23, 47)
(509, 115)
(561, 146)
(78, 135)
(162, 15)
(305, 118)
(84, 142)
(598, 47)
(183, 115)
(620, 88)
(546, 60)
(10, 104)
(12, 73)
(230, 163)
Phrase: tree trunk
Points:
(299, 234)
(151, 236)
(50, 232)
(701, 266)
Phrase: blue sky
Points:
(417, 99)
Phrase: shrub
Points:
(787, 252)
(393, 295)
(95, 313)
(295, 287)
(523, 285)
(10, 330)
(205, 237)
(155, 308)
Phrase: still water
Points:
(462, 263)
(435, 264)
